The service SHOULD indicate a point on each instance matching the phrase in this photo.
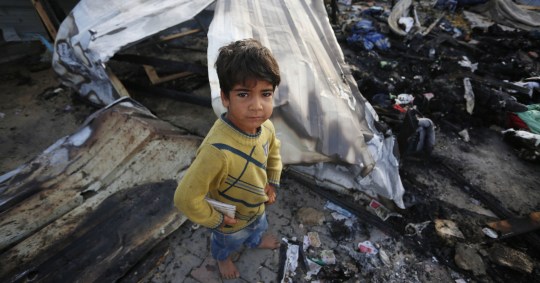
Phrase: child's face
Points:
(248, 106)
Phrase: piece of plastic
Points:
(328, 257)
(466, 63)
(404, 98)
(367, 247)
(490, 233)
(313, 269)
(408, 22)
(334, 207)
(291, 263)
(381, 211)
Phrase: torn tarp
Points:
(95, 30)
(320, 115)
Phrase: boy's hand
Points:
(228, 220)
(270, 191)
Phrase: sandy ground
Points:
(33, 118)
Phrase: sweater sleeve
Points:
(206, 172)
(274, 165)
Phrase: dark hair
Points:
(245, 60)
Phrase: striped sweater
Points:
(232, 167)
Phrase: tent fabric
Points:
(96, 29)
(320, 115)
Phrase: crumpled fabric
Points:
(531, 117)
(364, 33)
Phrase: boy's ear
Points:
(224, 99)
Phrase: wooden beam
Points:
(51, 28)
(117, 84)
(156, 79)
(180, 34)
(517, 225)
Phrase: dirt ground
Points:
(36, 112)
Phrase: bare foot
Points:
(228, 269)
(269, 242)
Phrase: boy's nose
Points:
(256, 104)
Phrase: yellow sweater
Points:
(232, 167)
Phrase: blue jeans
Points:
(222, 245)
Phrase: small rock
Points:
(310, 216)
(465, 135)
(467, 258)
(447, 230)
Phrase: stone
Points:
(310, 216)
(467, 258)
(448, 230)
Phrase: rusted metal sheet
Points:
(66, 193)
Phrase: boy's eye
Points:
(242, 94)
(267, 94)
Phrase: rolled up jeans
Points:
(222, 245)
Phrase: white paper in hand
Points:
(225, 208)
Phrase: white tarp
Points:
(319, 114)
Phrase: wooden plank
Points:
(517, 226)
(156, 79)
(529, 7)
(180, 34)
(117, 84)
(45, 18)
(166, 64)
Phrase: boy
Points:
(238, 162)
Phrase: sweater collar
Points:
(239, 134)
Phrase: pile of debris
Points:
(453, 66)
